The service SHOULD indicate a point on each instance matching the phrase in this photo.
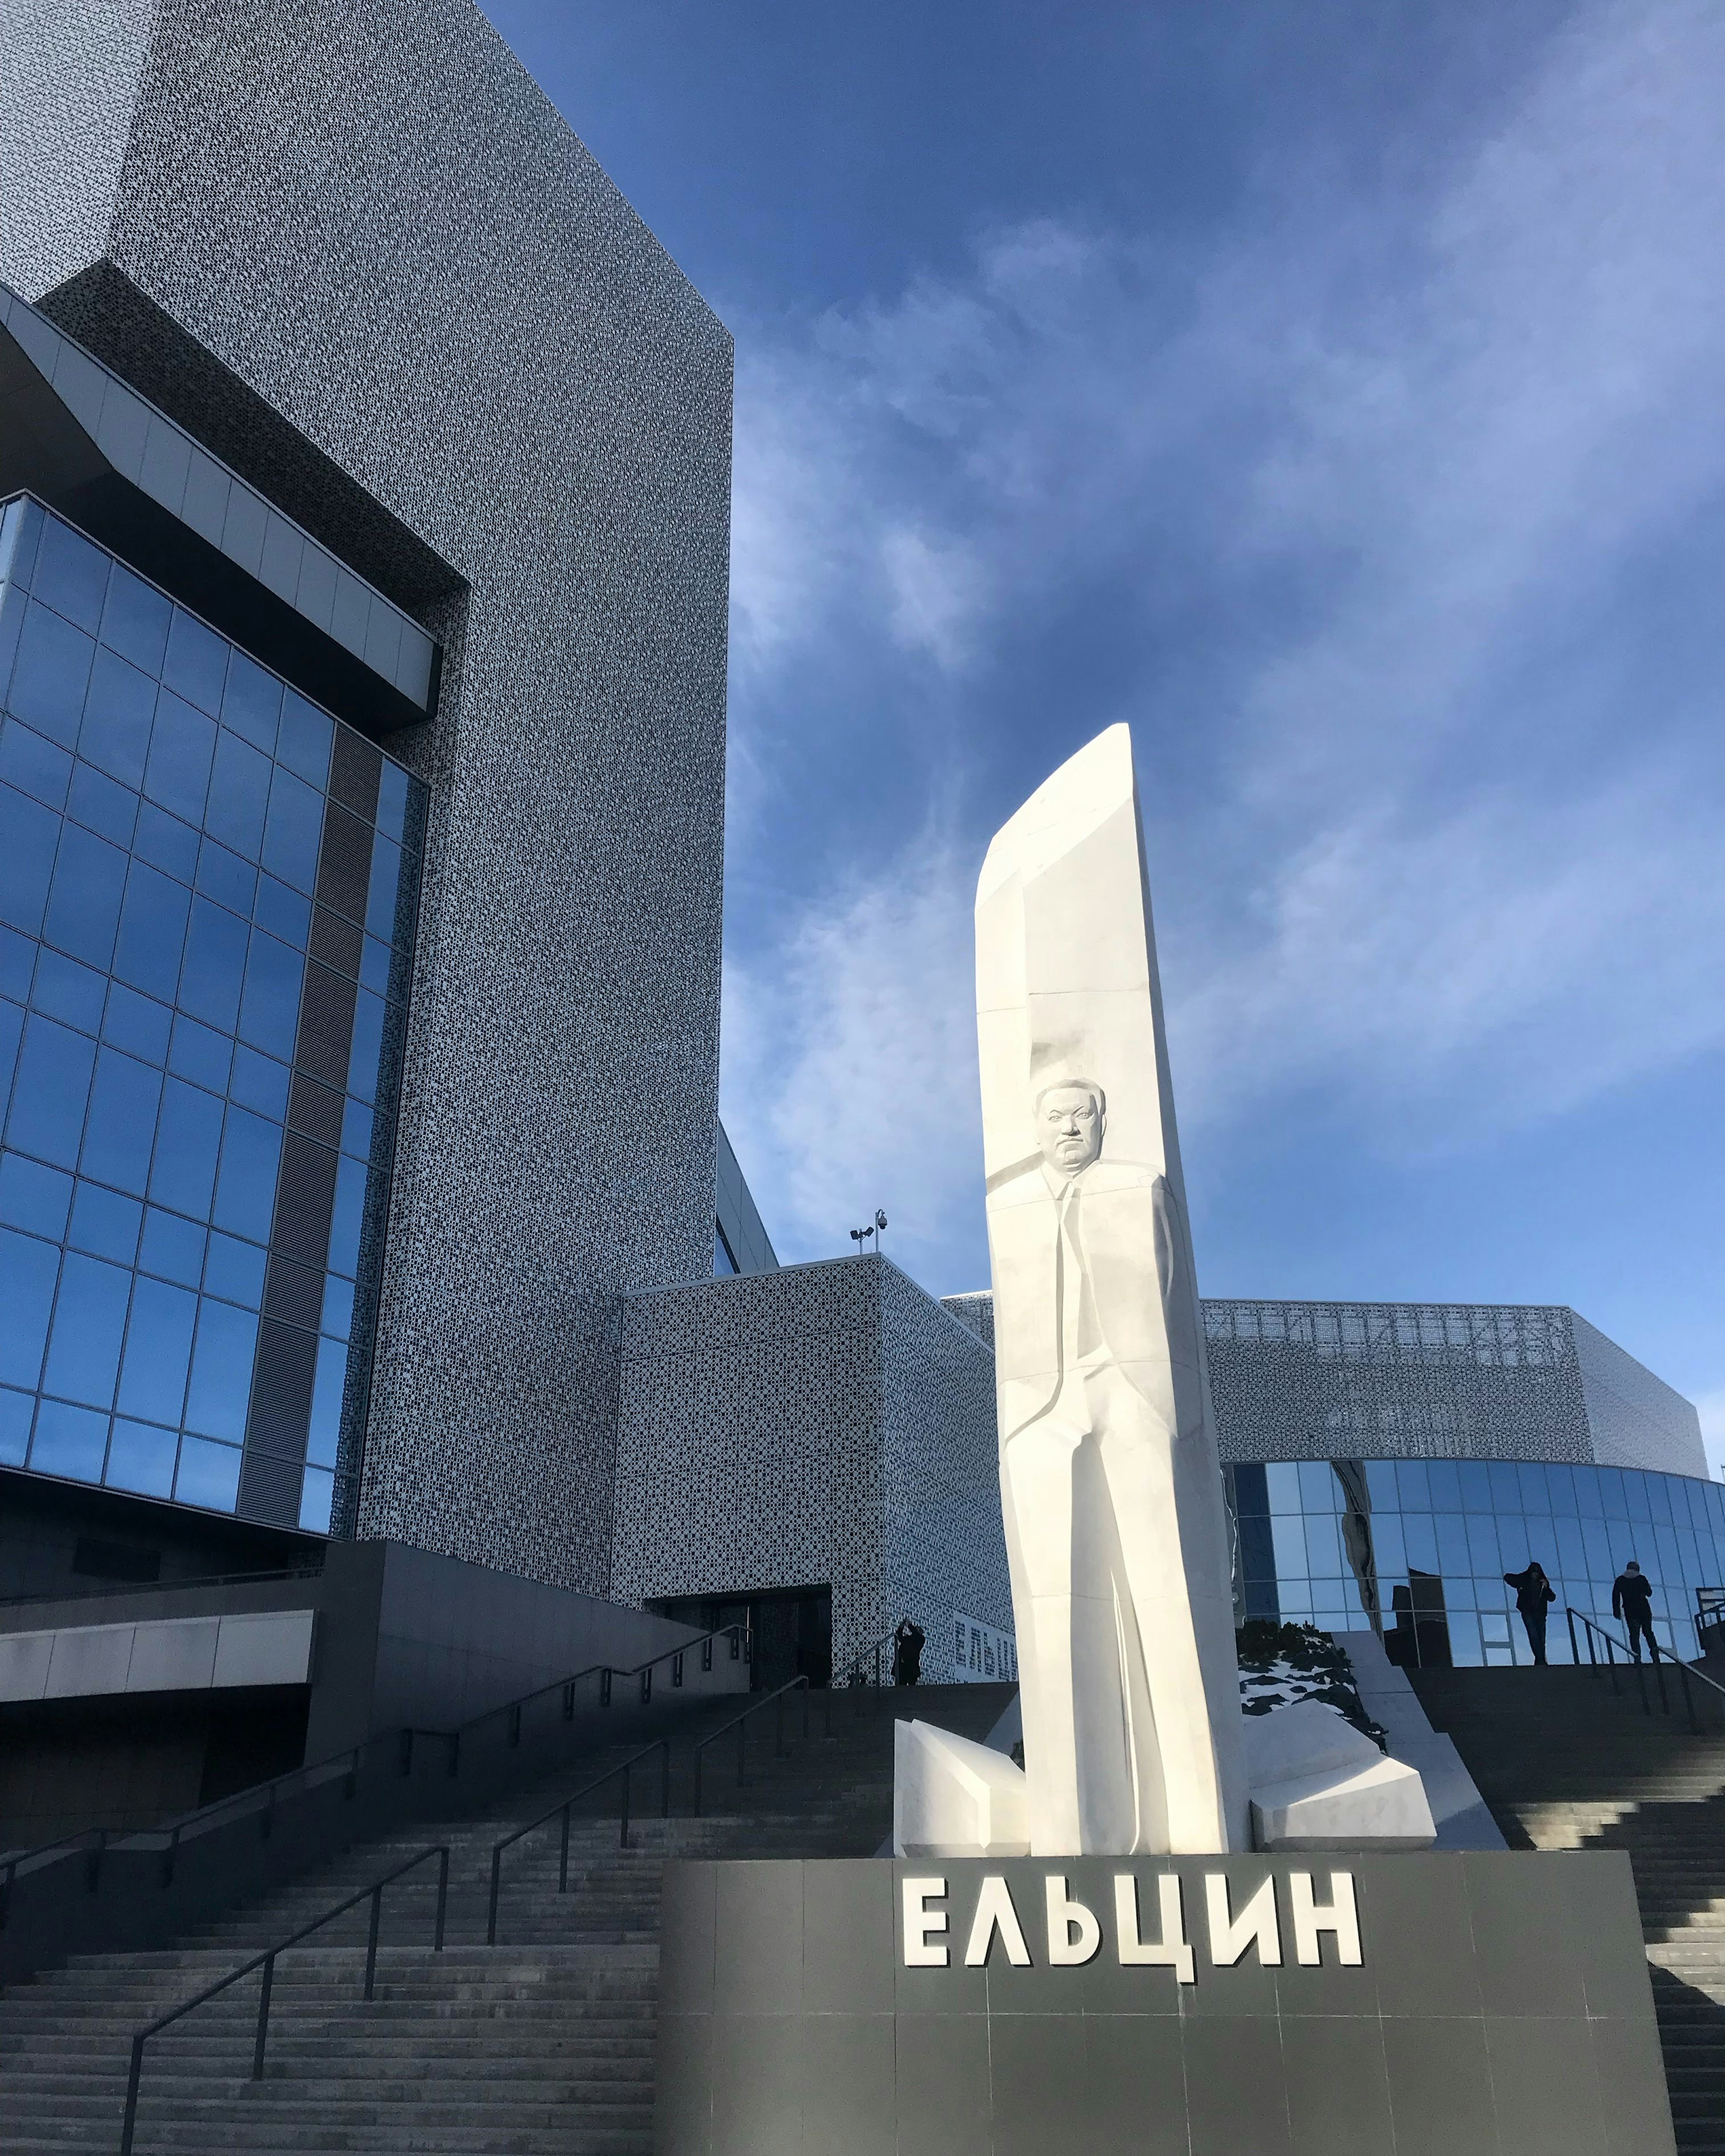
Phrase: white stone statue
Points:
(1115, 1526)
(1109, 1485)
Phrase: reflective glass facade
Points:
(207, 905)
(1423, 1546)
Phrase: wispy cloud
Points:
(1402, 511)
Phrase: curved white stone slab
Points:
(954, 1798)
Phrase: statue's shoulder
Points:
(1107, 1176)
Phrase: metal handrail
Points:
(773, 1699)
(852, 1672)
(1593, 1629)
(266, 1794)
(564, 1808)
(266, 1962)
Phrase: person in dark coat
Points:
(1533, 1591)
(908, 1652)
(1632, 1600)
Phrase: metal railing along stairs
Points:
(266, 1962)
(1593, 1632)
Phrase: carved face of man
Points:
(1070, 1123)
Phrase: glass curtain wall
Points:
(1425, 1544)
(207, 906)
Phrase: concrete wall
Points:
(825, 1424)
(351, 247)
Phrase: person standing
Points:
(908, 1652)
(1533, 1591)
(1632, 1600)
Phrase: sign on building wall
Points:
(981, 1654)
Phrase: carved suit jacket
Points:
(1124, 1253)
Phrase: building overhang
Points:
(78, 439)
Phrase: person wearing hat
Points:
(1632, 1600)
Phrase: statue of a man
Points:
(1110, 1488)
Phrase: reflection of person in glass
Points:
(1632, 1600)
(1111, 1492)
(1533, 1591)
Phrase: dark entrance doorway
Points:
(791, 1627)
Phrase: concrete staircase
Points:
(1564, 1764)
(542, 2044)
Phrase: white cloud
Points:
(1388, 490)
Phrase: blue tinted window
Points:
(392, 801)
(34, 766)
(172, 1247)
(83, 903)
(158, 1352)
(166, 842)
(102, 804)
(121, 1128)
(117, 720)
(12, 621)
(89, 1325)
(245, 1191)
(316, 1496)
(33, 1197)
(326, 1403)
(239, 795)
(196, 663)
(283, 913)
(259, 1081)
(49, 1092)
(269, 1013)
(208, 1475)
(221, 1370)
(234, 1270)
(338, 1305)
(292, 830)
(357, 1130)
(12, 1026)
(223, 876)
(252, 706)
(135, 619)
(188, 1138)
(304, 742)
(69, 1441)
(135, 1022)
(182, 746)
(18, 960)
(28, 1271)
(375, 961)
(50, 675)
(67, 991)
(385, 886)
(367, 1043)
(200, 1055)
(28, 835)
(17, 1410)
(213, 969)
(142, 1458)
(71, 574)
(152, 933)
(349, 1213)
(104, 1223)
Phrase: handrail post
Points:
(700, 1770)
(563, 1856)
(1688, 1697)
(491, 1914)
(1570, 1619)
(262, 2017)
(1611, 1663)
(372, 1941)
(1655, 1649)
(442, 1897)
(623, 1835)
(131, 2095)
(742, 1727)
(665, 1778)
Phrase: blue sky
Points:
(1335, 392)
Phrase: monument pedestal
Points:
(1437, 2004)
